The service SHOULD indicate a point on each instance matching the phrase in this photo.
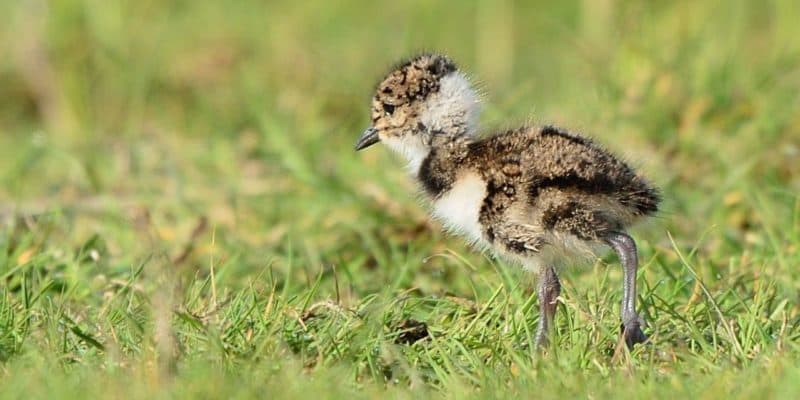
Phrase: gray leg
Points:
(632, 323)
(520, 239)
(548, 290)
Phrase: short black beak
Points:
(368, 138)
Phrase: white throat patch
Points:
(411, 148)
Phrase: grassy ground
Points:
(183, 215)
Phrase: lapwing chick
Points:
(537, 196)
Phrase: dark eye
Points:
(388, 108)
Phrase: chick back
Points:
(567, 183)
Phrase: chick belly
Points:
(559, 251)
(543, 246)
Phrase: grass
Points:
(183, 214)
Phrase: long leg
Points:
(526, 241)
(548, 290)
(632, 323)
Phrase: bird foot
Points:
(632, 332)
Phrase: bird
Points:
(538, 196)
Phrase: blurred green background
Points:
(196, 157)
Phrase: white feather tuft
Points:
(459, 208)
(455, 101)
